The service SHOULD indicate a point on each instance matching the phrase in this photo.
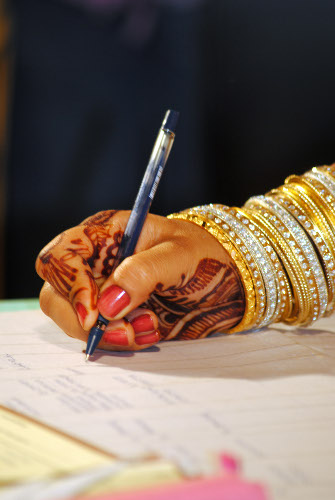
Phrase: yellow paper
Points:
(140, 475)
(29, 450)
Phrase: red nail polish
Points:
(81, 311)
(143, 323)
(151, 338)
(112, 301)
(116, 337)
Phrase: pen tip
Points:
(87, 357)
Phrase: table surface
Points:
(18, 304)
(267, 396)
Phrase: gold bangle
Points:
(325, 179)
(312, 207)
(314, 195)
(306, 258)
(250, 297)
(267, 262)
(322, 189)
(243, 243)
(301, 304)
(328, 169)
(318, 229)
(285, 299)
(315, 203)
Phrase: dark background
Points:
(254, 83)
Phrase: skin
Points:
(179, 284)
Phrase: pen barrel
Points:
(146, 193)
(152, 175)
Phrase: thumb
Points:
(138, 276)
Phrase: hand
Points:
(180, 282)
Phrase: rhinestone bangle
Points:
(313, 278)
(324, 178)
(265, 267)
(284, 293)
(234, 230)
(250, 298)
(328, 169)
(307, 256)
(314, 194)
(317, 228)
(302, 303)
(303, 193)
(322, 189)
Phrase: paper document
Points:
(19, 435)
(266, 396)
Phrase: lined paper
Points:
(267, 397)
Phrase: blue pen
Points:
(145, 195)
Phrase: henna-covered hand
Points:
(210, 300)
(180, 283)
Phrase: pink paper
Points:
(202, 489)
(228, 486)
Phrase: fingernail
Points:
(116, 337)
(82, 312)
(112, 301)
(143, 323)
(151, 338)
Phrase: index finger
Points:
(63, 266)
(76, 262)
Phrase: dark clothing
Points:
(253, 81)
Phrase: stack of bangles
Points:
(283, 246)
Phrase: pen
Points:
(145, 195)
